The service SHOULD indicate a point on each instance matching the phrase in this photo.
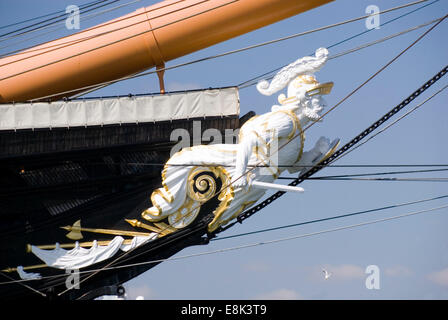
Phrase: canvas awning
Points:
(120, 110)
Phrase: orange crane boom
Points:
(147, 38)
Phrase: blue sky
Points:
(411, 252)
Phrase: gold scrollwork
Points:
(225, 197)
(201, 184)
(185, 214)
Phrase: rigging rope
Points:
(331, 218)
(363, 46)
(352, 226)
(259, 231)
(266, 202)
(346, 147)
(62, 18)
(106, 83)
(350, 94)
(77, 41)
(95, 87)
(22, 284)
(384, 179)
(369, 174)
(394, 122)
(60, 12)
(248, 213)
(376, 73)
(219, 55)
(264, 166)
(56, 28)
(120, 40)
(8, 192)
(43, 16)
(254, 80)
(257, 45)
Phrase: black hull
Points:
(101, 175)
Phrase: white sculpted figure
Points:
(196, 174)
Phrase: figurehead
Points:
(304, 86)
(304, 91)
(297, 75)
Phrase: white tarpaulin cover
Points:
(27, 275)
(79, 257)
(93, 112)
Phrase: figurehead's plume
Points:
(302, 66)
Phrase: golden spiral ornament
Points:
(201, 184)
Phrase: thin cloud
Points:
(398, 271)
(439, 277)
(280, 294)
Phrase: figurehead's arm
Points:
(262, 131)
(244, 152)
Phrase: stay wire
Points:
(369, 174)
(95, 87)
(49, 24)
(251, 82)
(17, 192)
(63, 12)
(279, 39)
(248, 213)
(344, 99)
(22, 284)
(358, 87)
(378, 72)
(406, 49)
(388, 126)
(82, 18)
(66, 44)
(338, 55)
(363, 46)
(394, 122)
(212, 57)
(260, 243)
(369, 44)
(117, 41)
(248, 171)
(98, 271)
(160, 164)
(330, 218)
(443, 179)
(39, 17)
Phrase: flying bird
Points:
(326, 274)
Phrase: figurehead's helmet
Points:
(304, 85)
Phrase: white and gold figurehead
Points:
(277, 132)
(306, 92)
